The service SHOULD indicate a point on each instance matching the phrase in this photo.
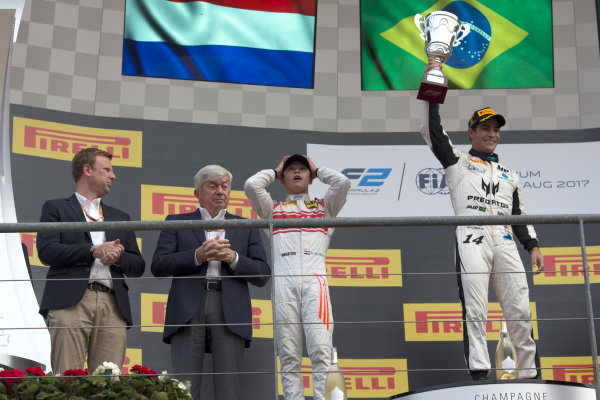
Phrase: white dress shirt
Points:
(214, 267)
(99, 272)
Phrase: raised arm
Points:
(434, 135)
(432, 131)
(255, 188)
(339, 186)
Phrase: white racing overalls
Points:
(301, 293)
(479, 185)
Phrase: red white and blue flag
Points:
(263, 42)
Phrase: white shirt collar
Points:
(89, 204)
(206, 215)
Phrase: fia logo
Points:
(432, 181)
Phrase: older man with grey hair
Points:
(212, 269)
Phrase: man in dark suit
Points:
(91, 260)
(226, 261)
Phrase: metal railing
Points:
(340, 222)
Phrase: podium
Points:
(509, 390)
(29, 344)
(16, 362)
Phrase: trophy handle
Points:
(464, 29)
(418, 23)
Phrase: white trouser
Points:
(303, 302)
(488, 254)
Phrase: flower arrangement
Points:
(106, 382)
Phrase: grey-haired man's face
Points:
(214, 195)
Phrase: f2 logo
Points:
(368, 177)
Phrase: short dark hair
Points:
(86, 156)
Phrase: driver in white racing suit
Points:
(479, 185)
(301, 292)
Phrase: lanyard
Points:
(100, 218)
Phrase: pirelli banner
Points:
(393, 290)
(61, 141)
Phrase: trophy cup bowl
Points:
(440, 32)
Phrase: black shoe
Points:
(479, 375)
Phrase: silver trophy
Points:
(440, 32)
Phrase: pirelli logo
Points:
(443, 322)
(154, 307)
(132, 357)
(568, 369)
(564, 266)
(369, 268)
(160, 201)
(365, 378)
(30, 241)
(485, 111)
(62, 141)
(262, 319)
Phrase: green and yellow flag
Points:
(509, 46)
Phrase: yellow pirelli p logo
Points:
(153, 309)
(366, 268)
(262, 319)
(365, 378)
(160, 201)
(62, 141)
(30, 241)
(564, 266)
(132, 357)
(568, 369)
(439, 322)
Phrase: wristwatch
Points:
(92, 251)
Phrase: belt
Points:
(99, 287)
(212, 285)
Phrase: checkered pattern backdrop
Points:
(68, 57)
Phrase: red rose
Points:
(75, 372)
(136, 368)
(139, 369)
(11, 376)
(35, 371)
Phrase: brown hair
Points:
(86, 156)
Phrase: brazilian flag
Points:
(509, 46)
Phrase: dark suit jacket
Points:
(68, 255)
(175, 256)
